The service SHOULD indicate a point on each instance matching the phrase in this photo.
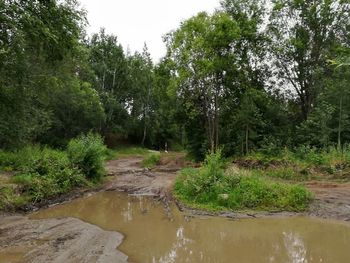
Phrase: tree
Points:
(111, 79)
(201, 51)
(141, 74)
(303, 35)
(36, 39)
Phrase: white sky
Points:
(138, 21)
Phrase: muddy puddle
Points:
(151, 237)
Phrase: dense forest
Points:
(255, 75)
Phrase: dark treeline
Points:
(254, 75)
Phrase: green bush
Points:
(41, 173)
(151, 160)
(19, 159)
(210, 187)
(46, 173)
(87, 153)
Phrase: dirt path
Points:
(332, 200)
(128, 176)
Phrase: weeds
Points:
(211, 187)
(303, 163)
(125, 152)
(151, 160)
(42, 173)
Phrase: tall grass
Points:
(121, 152)
(41, 172)
(306, 155)
(212, 187)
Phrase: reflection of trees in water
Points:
(180, 243)
(295, 247)
(127, 212)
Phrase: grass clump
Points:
(211, 187)
(151, 160)
(121, 152)
(285, 173)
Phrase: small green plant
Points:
(87, 153)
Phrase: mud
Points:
(154, 237)
(57, 240)
(127, 175)
(72, 240)
(332, 200)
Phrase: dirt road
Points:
(128, 176)
(332, 200)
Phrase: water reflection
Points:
(295, 247)
(181, 243)
(150, 237)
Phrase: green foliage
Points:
(285, 173)
(41, 173)
(151, 160)
(211, 187)
(126, 151)
(87, 153)
(40, 52)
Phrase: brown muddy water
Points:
(151, 237)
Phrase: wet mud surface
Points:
(57, 240)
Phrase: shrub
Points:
(210, 187)
(151, 160)
(46, 173)
(21, 158)
(87, 153)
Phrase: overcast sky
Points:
(138, 21)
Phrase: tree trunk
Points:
(144, 127)
(246, 139)
(217, 119)
(340, 120)
(114, 72)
